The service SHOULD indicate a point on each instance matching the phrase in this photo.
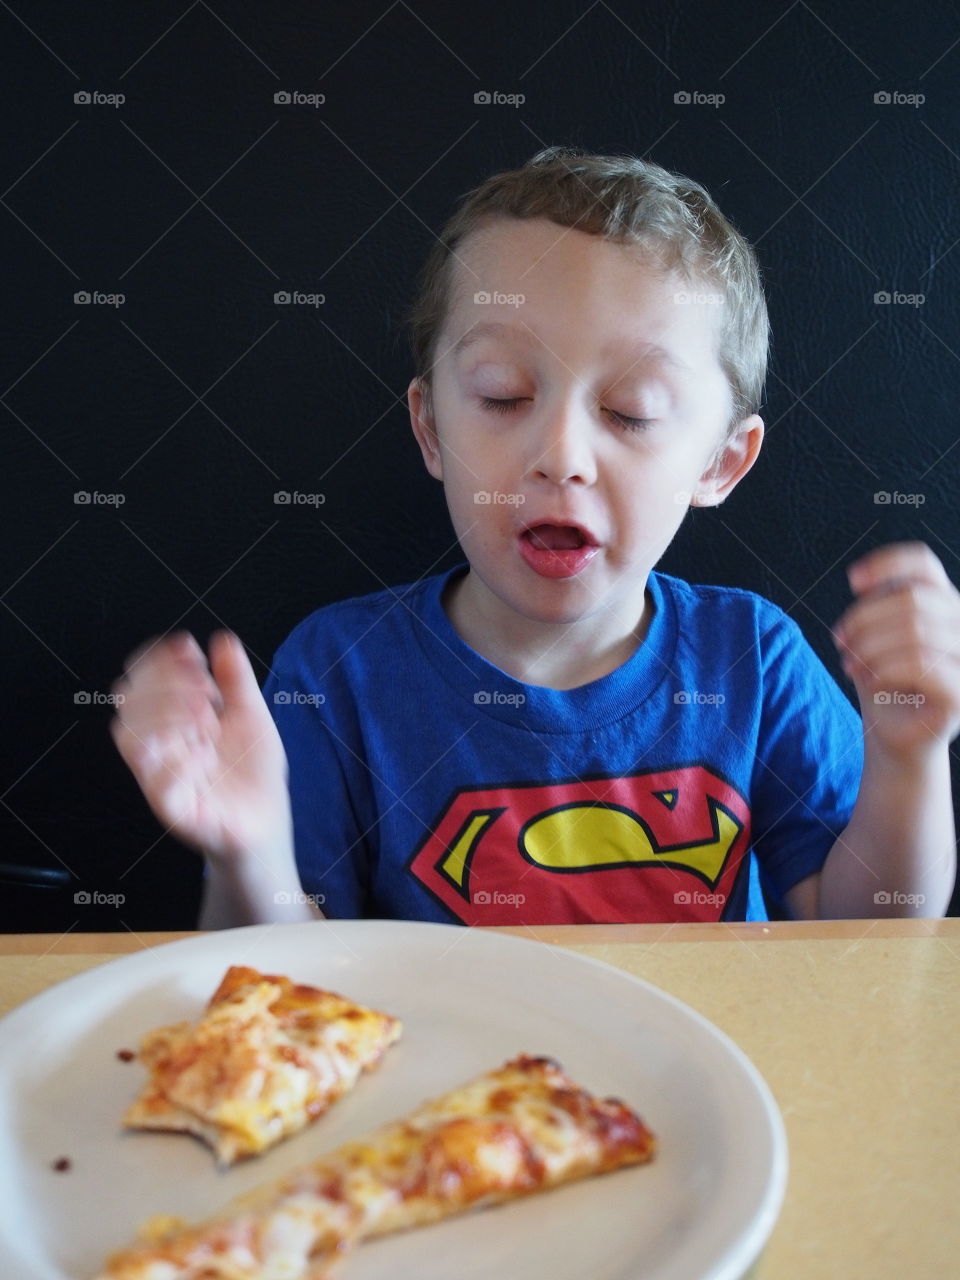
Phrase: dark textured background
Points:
(198, 398)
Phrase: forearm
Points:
(897, 856)
(262, 888)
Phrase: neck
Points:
(556, 655)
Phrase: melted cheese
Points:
(266, 1059)
(507, 1134)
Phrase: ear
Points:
(420, 403)
(730, 464)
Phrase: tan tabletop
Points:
(853, 1024)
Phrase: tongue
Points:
(553, 537)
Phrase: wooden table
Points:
(854, 1025)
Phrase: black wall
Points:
(196, 399)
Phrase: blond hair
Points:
(627, 200)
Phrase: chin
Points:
(561, 601)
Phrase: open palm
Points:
(203, 746)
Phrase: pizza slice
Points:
(268, 1057)
(512, 1132)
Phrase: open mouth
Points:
(556, 537)
(557, 550)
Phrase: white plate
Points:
(469, 1000)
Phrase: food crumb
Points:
(62, 1165)
(126, 1055)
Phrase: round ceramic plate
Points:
(469, 1000)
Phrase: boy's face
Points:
(561, 503)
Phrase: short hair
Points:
(630, 201)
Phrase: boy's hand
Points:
(900, 645)
(203, 747)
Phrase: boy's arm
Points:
(262, 888)
(901, 647)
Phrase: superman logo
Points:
(650, 846)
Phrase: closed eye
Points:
(505, 406)
(500, 406)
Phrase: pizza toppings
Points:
(269, 1057)
(512, 1132)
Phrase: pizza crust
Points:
(510, 1133)
(268, 1058)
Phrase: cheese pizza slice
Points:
(512, 1132)
(268, 1057)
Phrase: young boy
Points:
(554, 732)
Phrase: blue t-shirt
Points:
(718, 763)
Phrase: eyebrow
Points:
(491, 329)
(497, 329)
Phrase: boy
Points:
(554, 732)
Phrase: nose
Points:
(562, 445)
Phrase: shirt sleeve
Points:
(328, 836)
(808, 764)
